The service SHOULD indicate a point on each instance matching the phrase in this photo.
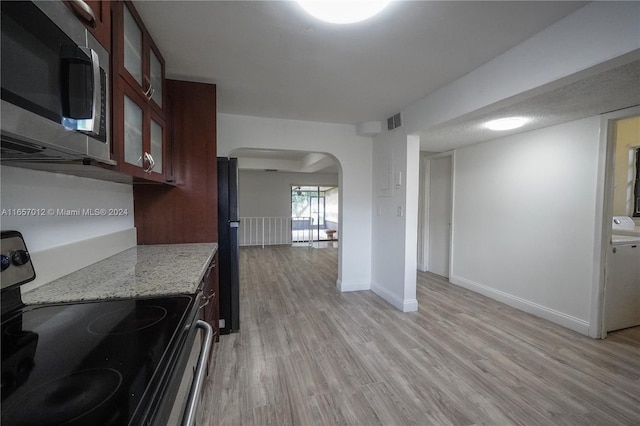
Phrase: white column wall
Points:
(352, 152)
(395, 218)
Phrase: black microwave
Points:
(54, 84)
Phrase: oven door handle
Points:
(196, 385)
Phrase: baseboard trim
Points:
(560, 318)
(353, 285)
(404, 305)
(56, 262)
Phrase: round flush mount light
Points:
(343, 12)
(508, 123)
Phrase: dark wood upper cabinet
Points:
(96, 16)
(140, 140)
(187, 211)
(136, 57)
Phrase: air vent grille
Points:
(394, 122)
(15, 150)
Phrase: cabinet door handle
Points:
(83, 10)
(150, 90)
(149, 159)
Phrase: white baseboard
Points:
(352, 285)
(560, 318)
(405, 305)
(56, 262)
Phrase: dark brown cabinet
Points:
(140, 135)
(186, 212)
(210, 295)
(139, 132)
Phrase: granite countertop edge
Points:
(139, 272)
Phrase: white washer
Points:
(622, 284)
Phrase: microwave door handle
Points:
(97, 91)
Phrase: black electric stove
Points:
(90, 363)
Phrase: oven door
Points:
(179, 401)
(185, 406)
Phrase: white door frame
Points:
(423, 222)
(604, 212)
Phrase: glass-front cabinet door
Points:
(139, 137)
(133, 128)
(133, 56)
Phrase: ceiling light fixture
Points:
(343, 12)
(508, 123)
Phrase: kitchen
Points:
(381, 260)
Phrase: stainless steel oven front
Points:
(179, 404)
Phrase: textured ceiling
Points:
(592, 95)
(271, 59)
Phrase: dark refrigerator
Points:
(228, 250)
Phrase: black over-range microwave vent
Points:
(394, 122)
(12, 149)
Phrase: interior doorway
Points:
(621, 307)
(436, 218)
(314, 213)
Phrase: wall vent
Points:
(394, 122)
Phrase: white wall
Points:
(268, 194)
(76, 241)
(352, 152)
(525, 217)
(395, 213)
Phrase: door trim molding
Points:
(604, 212)
(425, 178)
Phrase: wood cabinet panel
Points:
(188, 211)
(210, 291)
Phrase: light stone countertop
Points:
(141, 271)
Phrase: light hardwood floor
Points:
(309, 355)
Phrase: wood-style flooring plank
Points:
(307, 354)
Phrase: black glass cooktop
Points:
(94, 363)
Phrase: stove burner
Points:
(44, 322)
(64, 399)
(139, 319)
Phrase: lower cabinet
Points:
(210, 294)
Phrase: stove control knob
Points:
(5, 262)
(20, 257)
